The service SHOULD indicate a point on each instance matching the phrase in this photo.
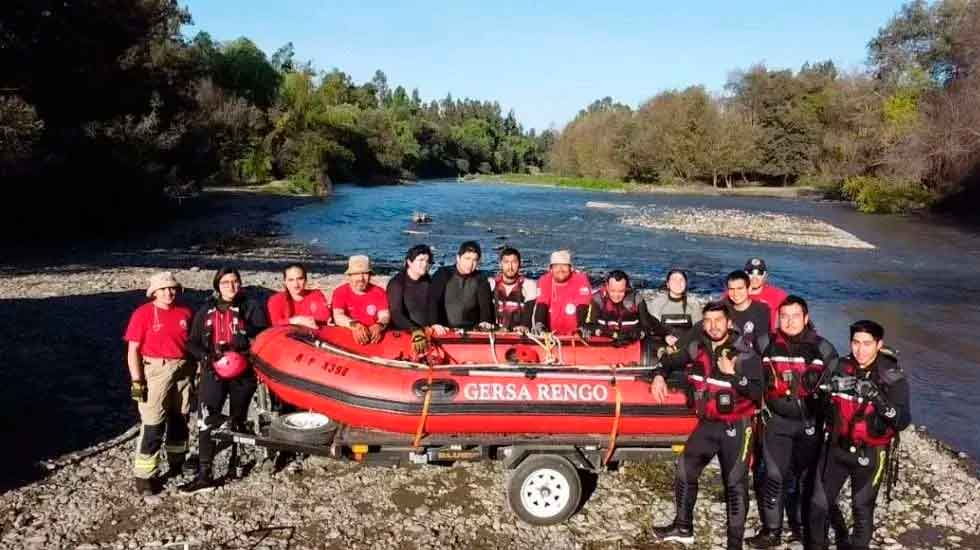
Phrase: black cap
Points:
(755, 264)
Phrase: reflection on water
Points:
(921, 282)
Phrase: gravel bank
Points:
(66, 392)
(739, 224)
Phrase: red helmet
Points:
(230, 365)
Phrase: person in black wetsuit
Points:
(226, 323)
(867, 403)
(725, 381)
(408, 296)
(459, 296)
(792, 365)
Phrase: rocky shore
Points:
(740, 224)
(66, 416)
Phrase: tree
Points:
(241, 68)
(919, 37)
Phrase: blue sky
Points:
(546, 60)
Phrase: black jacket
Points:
(460, 301)
(747, 379)
(408, 301)
(251, 315)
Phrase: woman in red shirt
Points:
(156, 338)
(296, 304)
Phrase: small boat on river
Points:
(421, 218)
(469, 382)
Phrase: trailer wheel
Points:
(544, 490)
(308, 428)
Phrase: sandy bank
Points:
(740, 224)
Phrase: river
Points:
(920, 282)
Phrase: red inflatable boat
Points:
(468, 383)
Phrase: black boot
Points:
(145, 486)
(674, 533)
(795, 534)
(765, 538)
(202, 483)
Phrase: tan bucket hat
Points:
(561, 257)
(164, 279)
(358, 264)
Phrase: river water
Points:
(920, 282)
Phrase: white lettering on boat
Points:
(489, 391)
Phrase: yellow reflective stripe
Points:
(145, 463)
(745, 444)
(881, 468)
(175, 448)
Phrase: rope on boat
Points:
(615, 427)
(419, 432)
(493, 349)
(416, 365)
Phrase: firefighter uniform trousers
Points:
(866, 469)
(164, 414)
(732, 442)
(791, 448)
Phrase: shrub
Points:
(876, 196)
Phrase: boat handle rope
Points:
(493, 349)
(320, 344)
(615, 427)
(419, 431)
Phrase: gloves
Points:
(538, 329)
(138, 391)
(485, 326)
(839, 384)
(866, 389)
(584, 333)
(420, 344)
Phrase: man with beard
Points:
(458, 294)
(513, 294)
(564, 297)
(792, 366)
(725, 380)
(619, 312)
(359, 305)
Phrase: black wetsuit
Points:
(858, 448)
(408, 301)
(213, 390)
(460, 301)
(726, 436)
(793, 432)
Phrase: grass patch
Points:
(878, 196)
(594, 184)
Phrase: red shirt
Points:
(772, 296)
(314, 304)
(563, 299)
(363, 308)
(161, 333)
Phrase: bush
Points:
(301, 185)
(877, 196)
